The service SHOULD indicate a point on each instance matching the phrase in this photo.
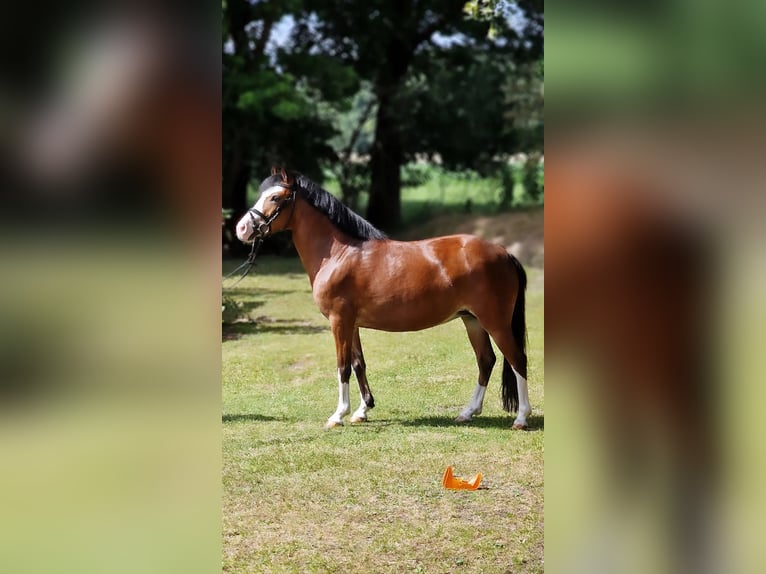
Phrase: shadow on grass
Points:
(235, 292)
(234, 331)
(534, 422)
(247, 306)
(247, 417)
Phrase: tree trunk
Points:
(384, 207)
(387, 156)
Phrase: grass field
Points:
(368, 497)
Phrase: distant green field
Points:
(368, 497)
(441, 192)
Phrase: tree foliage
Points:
(270, 115)
(363, 87)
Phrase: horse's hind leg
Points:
(360, 372)
(515, 390)
(485, 358)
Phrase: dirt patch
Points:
(521, 232)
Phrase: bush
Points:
(416, 174)
(231, 311)
(522, 181)
(541, 179)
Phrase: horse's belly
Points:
(407, 317)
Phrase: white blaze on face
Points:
(245, 225)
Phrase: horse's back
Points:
(445, 260)
(471, 250)
(402, 286)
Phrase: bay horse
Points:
(361, 278)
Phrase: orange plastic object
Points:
(449, 481)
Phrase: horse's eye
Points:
(275, 199)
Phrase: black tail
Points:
(519, 330)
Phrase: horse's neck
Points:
(315, 238)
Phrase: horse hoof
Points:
(356, 420)
(463, 419)
(519, 426)
(332, 424)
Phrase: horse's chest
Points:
(323, 302)
(328, 294)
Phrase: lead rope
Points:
(250, 263)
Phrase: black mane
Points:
(341, 216)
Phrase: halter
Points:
(263, 229)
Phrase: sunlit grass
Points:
(368, 497)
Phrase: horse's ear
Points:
(274, 170)
(286, 177)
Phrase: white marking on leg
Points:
(344, 406)
(475, 406)
(524, 408)
(360, 414)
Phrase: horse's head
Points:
(273, 209)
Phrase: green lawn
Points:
(368, 497)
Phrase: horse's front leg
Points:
(485, 359)
(343, 334)
(360, 372)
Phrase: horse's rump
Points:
(408, 286)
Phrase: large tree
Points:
(270, 115)
(385, 42)
(424, 62)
